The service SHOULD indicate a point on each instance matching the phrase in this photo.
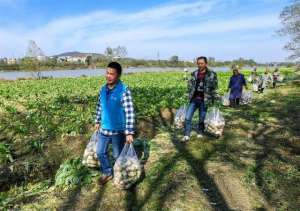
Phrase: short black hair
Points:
(116, 66)
(202, 57)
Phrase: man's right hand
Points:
(97, 126)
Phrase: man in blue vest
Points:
(114, 118)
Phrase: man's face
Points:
(111, 76)
(235, 71)
(201, 64)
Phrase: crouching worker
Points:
(236, 83)
(202, 88)
(114, 119)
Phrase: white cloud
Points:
(95, 30)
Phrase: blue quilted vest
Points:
(112, 111)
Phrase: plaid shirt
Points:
(129, 115)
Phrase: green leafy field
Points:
(66, 106)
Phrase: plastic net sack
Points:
(280, 78)
(250, 79)
(214, 122)
(225, 100)
(255, 87)
(90, 156)
(267, 81)
(246, 97)
(180, 117)
(127, 168)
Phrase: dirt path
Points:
(177, 178)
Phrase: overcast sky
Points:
(224, 29)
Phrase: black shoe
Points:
(104, 179)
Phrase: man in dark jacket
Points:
(202, 88)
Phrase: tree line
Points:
(33, 64)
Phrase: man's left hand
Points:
(129, 139)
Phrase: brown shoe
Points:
(104, 179)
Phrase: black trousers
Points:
(261, 90)
(235, 102)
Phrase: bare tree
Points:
(120, 51)
(174, 59)
(290, 19)
(33, 50)
(109, 52)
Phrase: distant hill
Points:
(76, 53)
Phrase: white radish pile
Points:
(225, 100)
(180, 117)
(214, 122)
(255, 87)
(246, 98)
(280, 78)
(90, 157)
(127, 169)
(250, 78)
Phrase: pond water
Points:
(13, 75)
